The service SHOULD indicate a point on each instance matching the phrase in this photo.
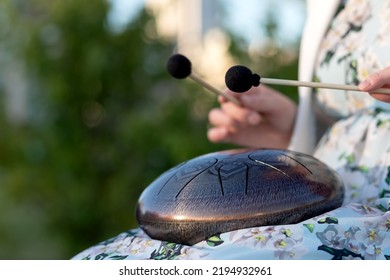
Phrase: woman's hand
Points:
(375, 81)
(265, 119)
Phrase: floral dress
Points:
(356, 145)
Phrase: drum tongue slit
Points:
(273, 167)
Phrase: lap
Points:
(358, 148)
(354, 231)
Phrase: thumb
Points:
(376, 80)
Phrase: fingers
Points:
(229, 120)
(230, 115)
(375, 81)
(218, 134)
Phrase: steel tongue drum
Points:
(236, 189)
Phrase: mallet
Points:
(240, 79)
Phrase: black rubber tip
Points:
(240, 79)
(179, 66)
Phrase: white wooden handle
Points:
(269, 81)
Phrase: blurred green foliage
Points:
(103, 120)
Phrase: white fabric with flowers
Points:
(356, 45)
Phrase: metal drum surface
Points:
(235, 189)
